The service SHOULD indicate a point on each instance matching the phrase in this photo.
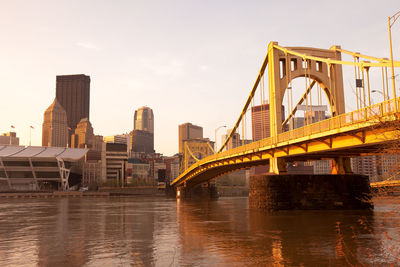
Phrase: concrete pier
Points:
(309, 192)
(197, 192)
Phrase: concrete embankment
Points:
(55, 194)
(133, 191)
(102, 192)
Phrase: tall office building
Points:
(55, 127)
(73, 93)
(188, 131)
(83, 134)
(260, 121)
(142, 136)
(142, 141)
(144, 120)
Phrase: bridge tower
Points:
(283, 68)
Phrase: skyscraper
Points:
(143, 131)
(55, 128)
(189, 131)
(73, 93)
(260, 121)
(83, 134)
(144, 120)
(142, 141)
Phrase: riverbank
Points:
(54, 194)
(133, 191)
(149, 191)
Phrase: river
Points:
(145, 231)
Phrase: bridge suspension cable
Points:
(359, 65)
(278, 145)
(356, 54)
(248, 101)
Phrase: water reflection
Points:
(166, 232)
(229, 233)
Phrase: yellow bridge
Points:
(344, 135)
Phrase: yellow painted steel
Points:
(355, 54)
(248, 101)
(341, 131)
(192, 147)
(385, 184)
(360, 128)
(361, 64)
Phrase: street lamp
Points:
(376, 91)
(391, 21)
(215, 145)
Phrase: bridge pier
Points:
(309, 192)
(197, 192)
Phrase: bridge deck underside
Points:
(214, 172)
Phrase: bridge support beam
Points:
(341, 166)
(309, 192)
(277, 166)
(198, 192)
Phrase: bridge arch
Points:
(284, 68)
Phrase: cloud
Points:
(87, 45)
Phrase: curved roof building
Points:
(37, 168)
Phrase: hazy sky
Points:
(190, 61)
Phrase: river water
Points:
(129, 231)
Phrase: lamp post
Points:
(215, 145)
(11, 129)
(30, 134)
(391, 21)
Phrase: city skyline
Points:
(182, 61)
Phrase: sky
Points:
(190, 61)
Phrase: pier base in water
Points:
(197, 192)
(309, 192)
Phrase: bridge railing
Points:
(337, 122)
